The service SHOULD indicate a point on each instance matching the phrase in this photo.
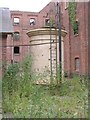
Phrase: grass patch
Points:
(68, 101)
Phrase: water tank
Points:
(44, 49)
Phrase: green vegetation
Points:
(24, 99)
(72, 15)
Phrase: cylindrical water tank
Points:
(40, 49)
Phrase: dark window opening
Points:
(76, 25)
(16, 36)
(32, 21)
(16, 50)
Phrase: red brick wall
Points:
(88, 38)
(76, 46)
(24, 26)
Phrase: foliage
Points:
(17, 79)
(72, 15)
(24, 99)
(68, 101)
(9, 81)
(52, 22)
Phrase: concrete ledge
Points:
(45, 31)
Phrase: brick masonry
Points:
(75, 46)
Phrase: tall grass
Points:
(17, 81)
(25, 99)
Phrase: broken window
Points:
(32, 21)
(16, 36)
(47, 22)
(16, 50)
(16, 21)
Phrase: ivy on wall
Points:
(72, 15)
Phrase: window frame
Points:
(32, 22)
(17, 21)
(77, 64)
(16, 35)
(16, 53)
(76, 33)
(46, 20)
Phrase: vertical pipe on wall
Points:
(60, 45)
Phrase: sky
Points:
(24, 5)
(29, 5)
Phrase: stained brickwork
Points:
(88, 38)
(76, 47)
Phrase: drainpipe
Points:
(60, 45)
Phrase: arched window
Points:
(77, 64)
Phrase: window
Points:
(16, 50)
(76, 28)
(32, 21)
(16, 36)
(16, 21)
(47, 22)
(77, 64)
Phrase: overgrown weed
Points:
(25, 99)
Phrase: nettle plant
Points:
(72, 15)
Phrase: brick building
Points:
(23, 22)
(16, 45)
(76, 46)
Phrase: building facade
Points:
(76, 46)
(76, 52)
(23, 22)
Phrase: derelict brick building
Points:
(76, 52)
(76, 46)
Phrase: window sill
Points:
(76, 35)
(16, 54)
(16, 24)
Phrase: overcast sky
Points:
(24, 5)
(29, 5)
